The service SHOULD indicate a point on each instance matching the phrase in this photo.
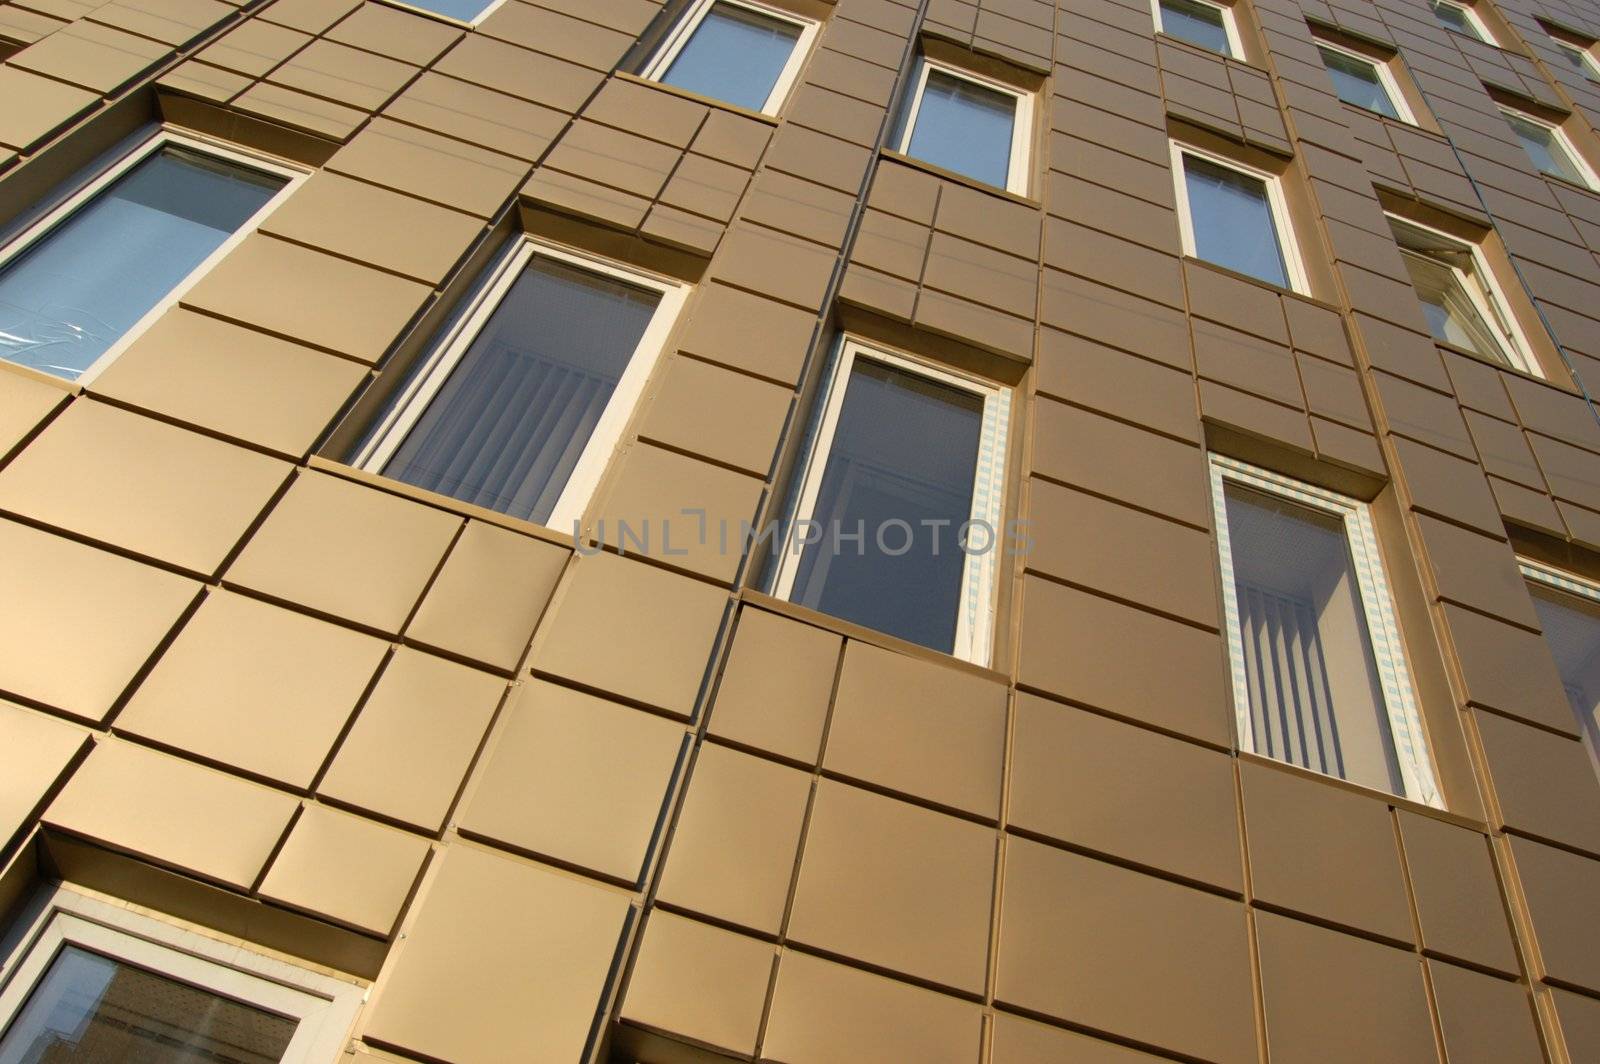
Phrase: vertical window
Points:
(742, 53)
(1319, 676)
(80, 283)
(1549, 149)
(95, 982)
(1236, 217)
(1364, 82)
(520, 405)
(1459, 298)
(1569, 613)
(896, 522)
(1462, 19)
(1578, 56)
(1201, 23)
(971, 125)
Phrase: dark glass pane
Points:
(735, 55)
(965, 127)
(1456, 19)
(905, 449)
(72, 294)
(1196, 23)
(1315, 697)
(1547, 152)
(1357, 82)
(1232, 220)
(510, 423)
(89, 1009)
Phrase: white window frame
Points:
(1288, 243)
(420, 391)
(1479, 27)
(1487, 297)
(689, 24)
(1591, 65)
(1585, 171)
(980, 585)
(162, 137)
(1388, 649)
(1230, 26)
(323, 1006)
(1021, 160)
(1576, 586)
(1386, 78)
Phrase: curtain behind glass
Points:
(1572, 628)
(1356, 81)
(507, 428)
(89, 1009)
(905, 448)
(1315, 696)
(1452, 315)
(964, 127)
(735, 55)
(1196, 23)
(72, 294)
(1232, 220)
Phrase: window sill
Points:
(72, 387)
(963, 179)
(1467, 352)
(1192, 260)
(442, 502)
(448, 20)
(1202, 50)
(707, 101)
(1399, 801)
(830, 623)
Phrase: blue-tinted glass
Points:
(1455, 18)
(508, 426)
(965, 127)
(1573, 56)
(905, 450)
(1232, 220)
(89, 1009)
(1196, 23)
(70, 296)
(735, 55)
(1356, 81)
(460, 10)
(1543, 148)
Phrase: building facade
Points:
(877, 530)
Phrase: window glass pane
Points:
(512, 419)
(89, 1009)
(1572, 628)
(1545, 149)
(1455, 18)
(735, 55)
(72, 294)
(1452, 315)
(1315, 694)
(1196, 23)
(965, 127)
(1232, 220)
(905, 450)
(1357, 82)
(1572, 55)
(461, 10)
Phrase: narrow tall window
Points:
(1319, 676)
(1201, 23)
(96, 270)
(971, 125)
(1578, 56)
(1459, 298)
(1462, 19)
(1569, 612)
(743, 53)
(1235, 217)
(1549, 149)
(90, 981)
(1364, 82)
(519, 407)
(896, 524)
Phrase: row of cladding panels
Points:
(166, 590)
